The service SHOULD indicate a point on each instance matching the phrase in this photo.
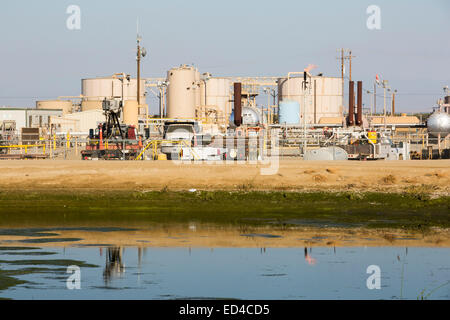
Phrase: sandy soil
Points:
(261, 237)
(431, 176)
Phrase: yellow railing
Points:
(153, 145)
(25, 146)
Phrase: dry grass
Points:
(331, 170)
(389, 179)
(319, 178)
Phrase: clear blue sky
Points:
(42, 59)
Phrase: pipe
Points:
(351, 102)
(315, 99)
(237, 104)
(359, 104)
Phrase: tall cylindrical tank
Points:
(130, 112)
(109, 87)
(181, 92)
(218, 92)
(64, 105)
(91, 105)
(439, 123)
(289, 112)
(197, 90)
(324, 99)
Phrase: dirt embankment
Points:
(294, 175)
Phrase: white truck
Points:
(182, 140)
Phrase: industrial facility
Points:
(202, 117)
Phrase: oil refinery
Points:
(202, 117)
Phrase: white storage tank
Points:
(130, 113)
(182, 92)
(218, 93)
(91, 105)
(109, 87)
(439, 124)
(328, 93)
(64, 105)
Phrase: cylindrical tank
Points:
(109, 87)
(326, 153)
(181, 92)
(64, 105)
(439, 123)
(250, 116)
(130, 112)
(197, 90)
(324, 99)
(289, 112)
(218, 92)
(91, 105)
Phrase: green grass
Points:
(409, 210)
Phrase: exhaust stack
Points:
(359, 104)
(351, 103)
(237, 104)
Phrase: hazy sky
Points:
(42, 59)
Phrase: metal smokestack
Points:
(359, 104)
(237, 104)
(351, 103)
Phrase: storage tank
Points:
(439, 123)
(289, 112)
(326, 154)
(197, 90)
(218, 92)
(181, 92)
(250, 116)
(91, 105)
(64, 105)
(130, 112)
(326, 90)
(108, 87)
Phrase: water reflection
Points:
(310, 260)
(114, 267)
(241, 273)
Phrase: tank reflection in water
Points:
(242, 273)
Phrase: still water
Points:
(235, 273)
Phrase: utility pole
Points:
(345, 56)
(141, 53)
(138, 70)
(393, 102)
(342, 75)
(374, 98)
(349, 57)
